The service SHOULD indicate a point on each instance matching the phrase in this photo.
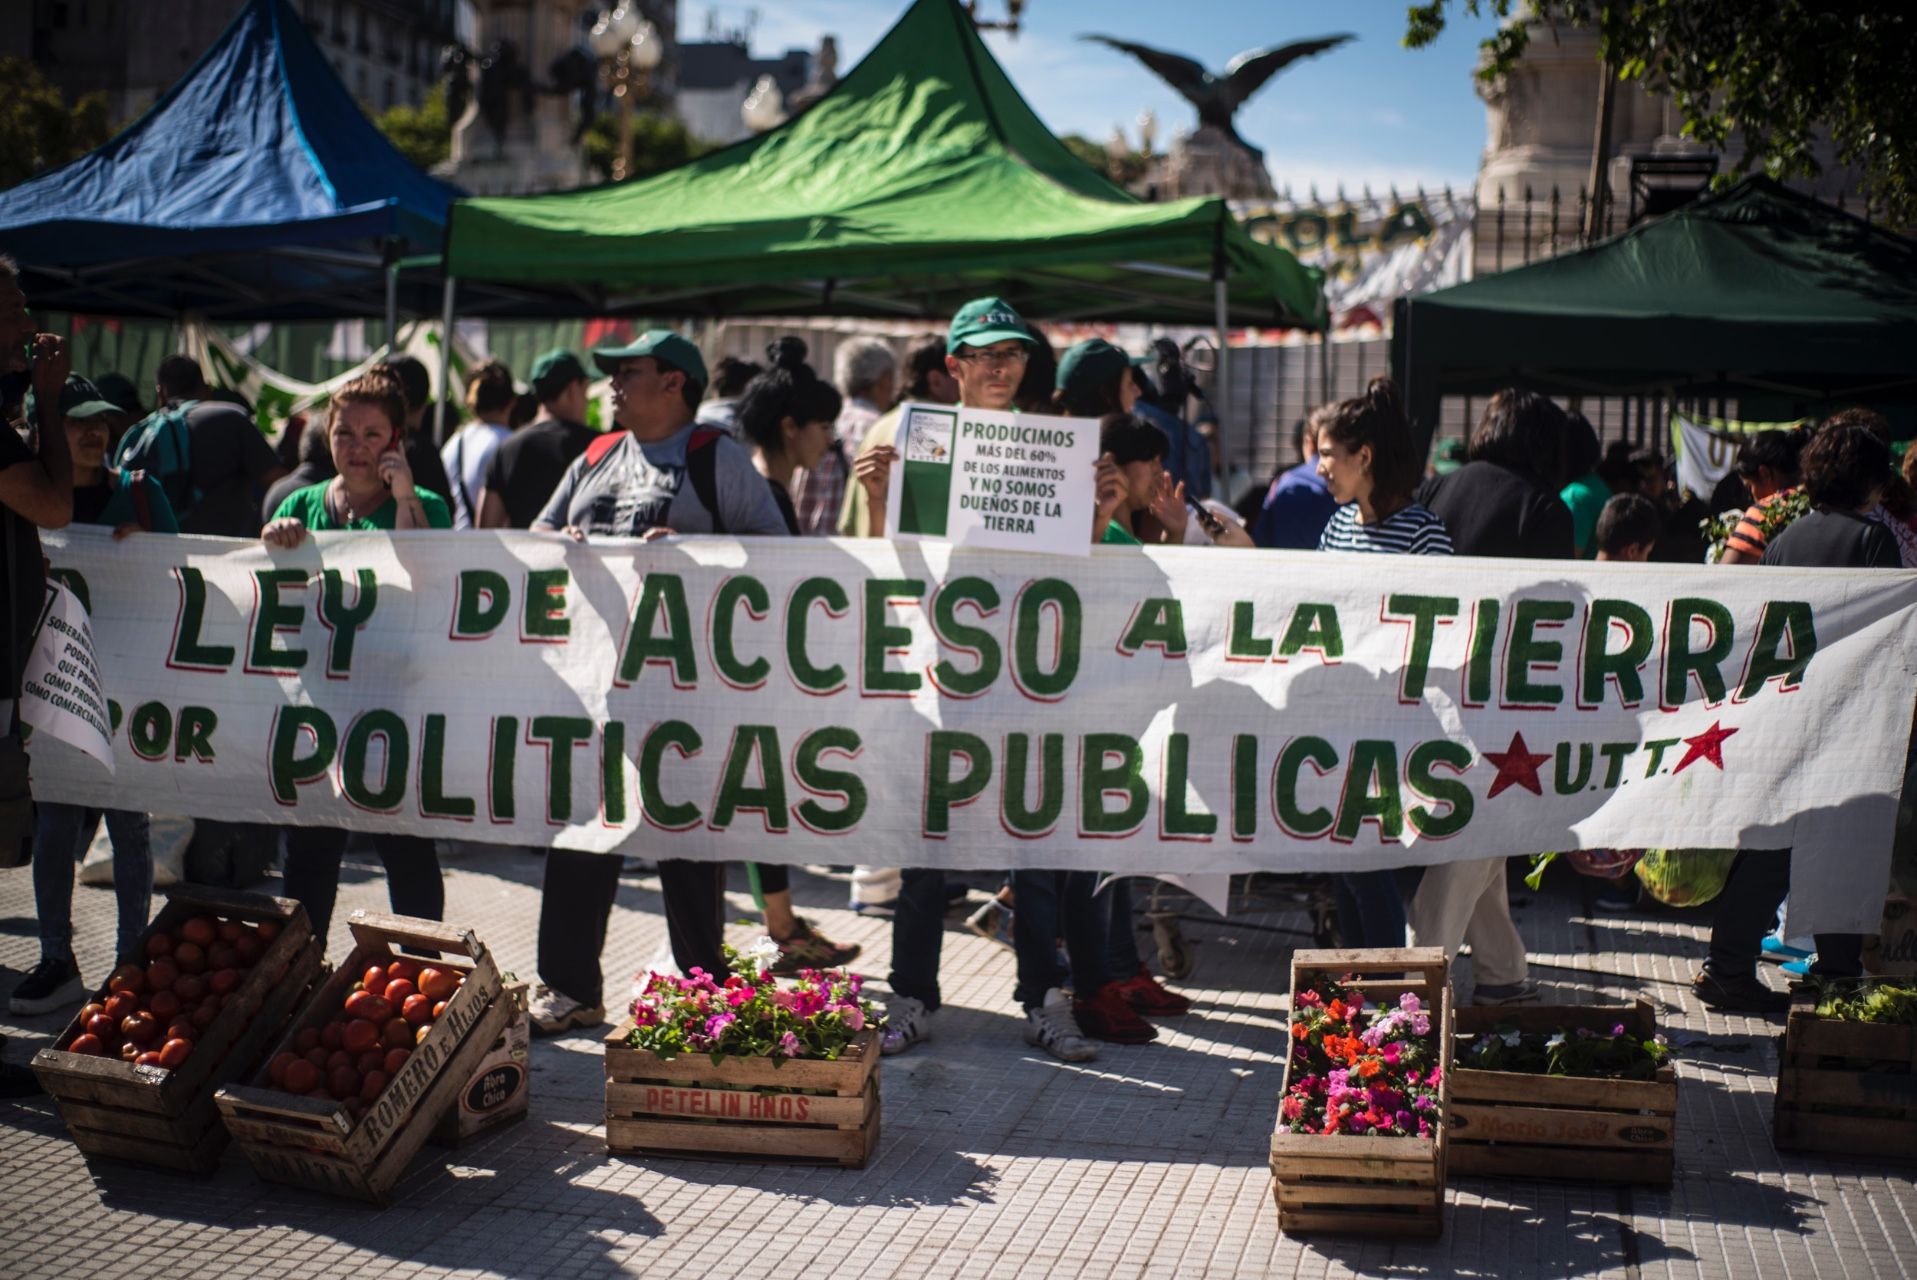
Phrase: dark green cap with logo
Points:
(663, 345)
(79, 398)
(983, 321)
(553, 372)
(1089, 365)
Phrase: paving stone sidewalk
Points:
(995, 1160)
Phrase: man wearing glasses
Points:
(986, 351)
(656, 474)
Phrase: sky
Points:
(1370, 112)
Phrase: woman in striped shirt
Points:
(1367, 460)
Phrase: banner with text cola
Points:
(1167, 710)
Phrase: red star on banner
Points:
(1517, 767)
(1708, 745)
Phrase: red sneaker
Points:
(1145, 994)
(1108, 1017)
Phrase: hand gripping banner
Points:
(1168, 710)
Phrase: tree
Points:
(1780, 72)
(38, 129)
(659, 142)
(423, 134)
(1131, 168)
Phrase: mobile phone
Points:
(1210, 523)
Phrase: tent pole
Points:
(445, 363)
(392, 305)
(1221, 391)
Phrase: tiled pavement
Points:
(995, 1161)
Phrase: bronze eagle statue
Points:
(1219, 97)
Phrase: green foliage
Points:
(658, 143)
(1131, 167)
(1587, 1054)
(39, 130)
(1780, 72)
(1868, 1000)
(423, 134)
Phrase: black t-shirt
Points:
(1834, 540)
(230, 460)
(1492, 511)
(528, 465)
(304, 476)
(429, 472)
(89, 500)
(24, 575)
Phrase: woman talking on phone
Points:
(373, 490)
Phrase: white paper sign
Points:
(995, 479)
(60, 692)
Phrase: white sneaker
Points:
(552, 1011)
(907, 1021)
(1052, 1028)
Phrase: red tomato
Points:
(231, 930)
(418, 1010)
(357, 1105)
(161, 973)
(301, 1076)
(338, 1058)
(89, 1044)
(164, 1005)
(397, 990)
(371, 1060)
(333, 1034)
(147, 1059)
(201, 930)
(129, 978)
(250, 948)
(360, 1036)
(90, 1008)
(403, 968)
(222, 955)
(438, 983)
(100, 1025)
(191, 957)
(395, 1059)
(308, 1038)
(343, 1081)
(175, 1052)
(221, 981)
(203, 1015)
(120, 1004)
(129, 1051)
(364, 1004)
(438, 1010)
(317, 1056)
(420, 1033)
(140, 1028)
(397, 1034)
(373, 1085)
(276, 1069)
(182, 1029)
(189, 987)
(159, 944)
(268, 930)
(374, 980)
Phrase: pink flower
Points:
(789, 1045)
(854, 1018)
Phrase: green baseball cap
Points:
(1090, 364)
(983, 321)
(663, 345)
(555, 371)
(79, 398)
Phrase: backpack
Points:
(702, 466)
(161, 445)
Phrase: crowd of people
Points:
(775, 449)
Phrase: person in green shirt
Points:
(1587, 493)
(374, 488)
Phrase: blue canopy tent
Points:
(255, 189)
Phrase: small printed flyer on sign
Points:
(994, 478)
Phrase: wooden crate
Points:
(499, 1091)
(316, 1143)
(800, 1111)
(1367, 1185)
(1512, 1124)
(168, 1118)
(1849, 1088)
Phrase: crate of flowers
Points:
(1581, 1092)
(1360, 1144)
(746, 1067)
(1848, 1078)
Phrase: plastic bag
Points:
(1685, 877)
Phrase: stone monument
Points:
(520, 89)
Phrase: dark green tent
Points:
(1757, 291)
(922, 180)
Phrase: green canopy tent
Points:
(1757, 292)
(920, 181)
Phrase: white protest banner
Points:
(60, 690)
(1181, 710)
(1372, 249)
(1706, 449)
(989, 478)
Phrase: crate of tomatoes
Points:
(373, 1061)
(217, 976)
